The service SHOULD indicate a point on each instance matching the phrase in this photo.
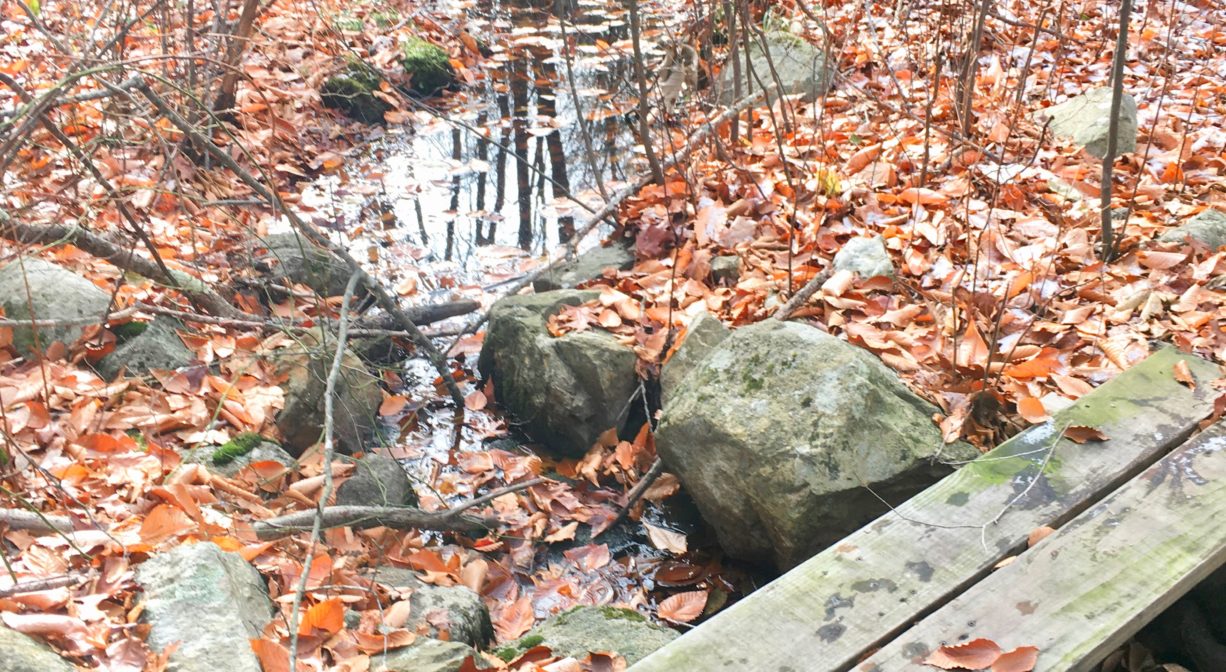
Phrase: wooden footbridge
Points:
(1138, 519)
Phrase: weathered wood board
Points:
(1083, 591)
(827, 613)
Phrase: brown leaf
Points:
(1184, 375)
(973, 655)
(1038, 534)
(1082, 434)
(683, 607)
(1032, 409)
(1021, 659)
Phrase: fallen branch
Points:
(42, 584)
(35, 521)
(636, 493)
(398, 517)
(120, 257)
(798, 299)
(385, 300)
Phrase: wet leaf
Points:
(683, 607)
(973, 655)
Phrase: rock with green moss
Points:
(785, 436)
(1208, 228)
(452, 613)
(1086, 120)
(294, 259)
(565, 392)
(702, 335)
(150, 346)
(236, 454)
(352, 92)
(583, 630)
(428, 66)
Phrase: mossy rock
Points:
(352, 93)
(429, 67)
(583, 630)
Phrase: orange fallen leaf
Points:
(1038, 534)
(393, 405)
(1021, 659)
(973, 655)
(273, 657)
(1183, 374)
(683, 607)
(328, 616)
(1032, 409)
(922, 196)
(1082, 434)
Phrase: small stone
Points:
(1208, 228)
(304, 366)
(377, 480)
(230, 464)
(209, 602)
(726, 270)
(158, 347)
(583, 630)
(454, 613)
(55, 293)
(1086, 119)
(426, 655)
(587, 266)
(22, 653)
(297, 260)
(867, 257)
(802, 68)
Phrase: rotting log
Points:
(1083, 591)
(830, 611)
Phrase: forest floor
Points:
(1001, 311)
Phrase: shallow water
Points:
(495, 168)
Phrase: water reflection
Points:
(498, 169)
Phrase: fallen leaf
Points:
(666, 539)
(1183, 374)
(1021, 659)
(1082, 434)
(973, 655)
(1038, 534)
(328, 616)
(1032, 409)
(683, 607)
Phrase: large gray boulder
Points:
(54, 293)
(426, 655)
(1208, 228)
(295, 259)
(802, 68)
(564, 392)
(580, 631)
(22, 653)
(702, 335)
(781, 432)
(157, 347)
(304, 367)
(587, 266)
(1086, 119)
(454, 613)
(208, 601)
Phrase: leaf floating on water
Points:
(1082, 434)
(973, 655)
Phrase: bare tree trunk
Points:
(234, 55)
(1117, 97)
(640, 74)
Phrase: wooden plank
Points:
(1082, 592)
(828, 612)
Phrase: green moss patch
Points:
(428, 66)
(237, 447)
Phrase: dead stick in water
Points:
(398, 517)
